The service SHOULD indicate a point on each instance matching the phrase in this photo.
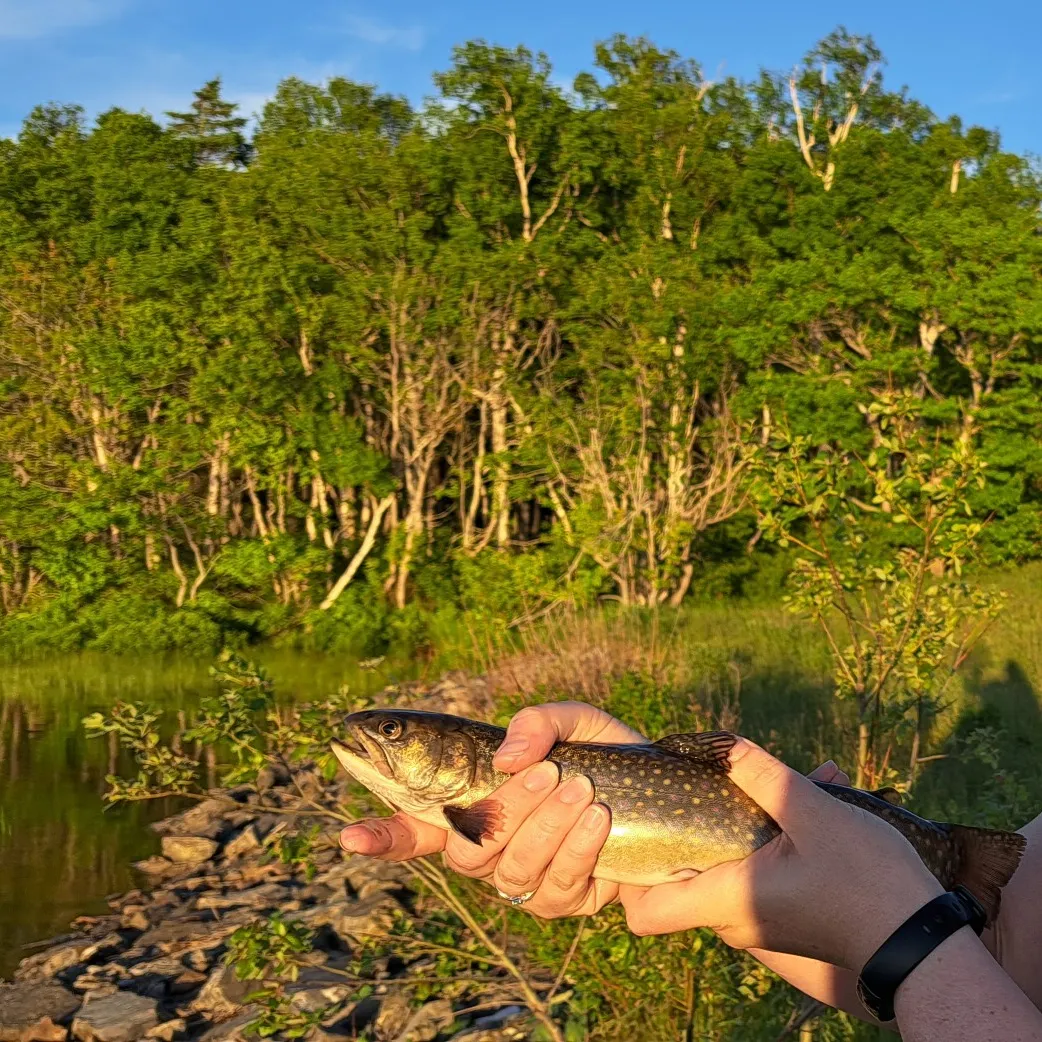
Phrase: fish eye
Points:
(390, 729)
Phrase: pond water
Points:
(62, 852)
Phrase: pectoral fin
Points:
(479, 821)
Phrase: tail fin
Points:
(988, 858)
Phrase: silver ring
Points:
(516, 902)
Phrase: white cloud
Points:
(29, 19)
(369, 30)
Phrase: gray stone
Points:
(271, 775)
(123, 1017)
(135, 918)
(29, 1012)
(196, 960)
(188, 850)
(168, 1030)
(394, 1014)
(244, 843)
(233, 1030)
(426, 1022)
(223, 994)
(312, 1000)
(270, 895)
(55, 960)
(500, 1017)
(155, 866)
(204, 819)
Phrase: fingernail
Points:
(594, 818)
(739, 749)
(352, 837)
(360, 839)
(511, 749)
(577, 789)
(542, 776)
(830, 763)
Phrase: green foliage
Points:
(161, 770)
(379, 368)
(882, 540)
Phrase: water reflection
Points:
(61, 851)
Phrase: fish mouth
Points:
(357, 747)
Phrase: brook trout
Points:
(674, 811)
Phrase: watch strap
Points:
(912, 942)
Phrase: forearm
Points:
(1016, 939)
(959, 993)
(829, 984)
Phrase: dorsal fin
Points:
(712, 747)
(889, 794)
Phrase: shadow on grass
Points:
(1003, 720)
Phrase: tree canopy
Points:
(377, 362)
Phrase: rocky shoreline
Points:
(154, 967)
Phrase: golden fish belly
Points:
(646, 849)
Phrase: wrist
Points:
(935, 975)
(904, 900)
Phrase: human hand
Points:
(832, 887)
(550, 834)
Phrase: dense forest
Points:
(371, 366)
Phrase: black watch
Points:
(910, 943)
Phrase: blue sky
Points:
(979, 60)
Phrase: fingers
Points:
(793, 801)
(667, 907)
(829, 772)
(529, 852)
(568, 887)
(534, 730)
(517, 798)
(398, 838)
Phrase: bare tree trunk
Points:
(175, 564)
(501, 485)
(360, 554)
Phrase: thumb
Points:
(785, 794)
(531, 734)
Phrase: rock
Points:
(318, 893)
(167, 966)
(155, 866)
(55, 960)
(186, 981)
(458, 694)
(196, 960)
(311, 1000)
(188, 850)
(123, 1017)
(95, 985)
(271, 895)
(168, 1030)
(204, 819)
(179, 935)
(499, 1017)
(134, 918)
(426, 1022)
(370, 917)
(29, 1011)
(394, 1014)
(244, 843)
(233, 1030)
(223, 994)
(271, 775)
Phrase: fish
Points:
(674, 810)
